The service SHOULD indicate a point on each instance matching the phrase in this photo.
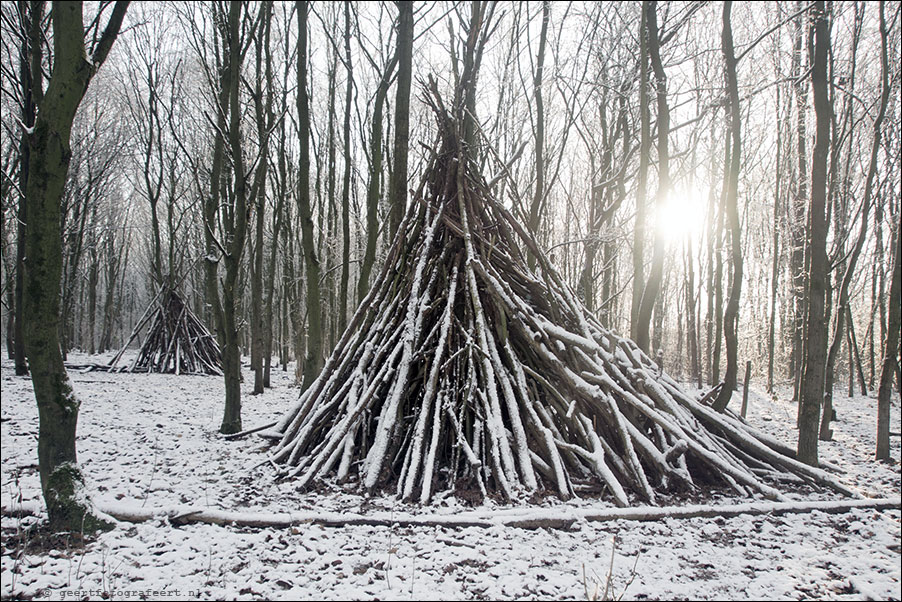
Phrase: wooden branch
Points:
(522, 518)
(256, 429)
(708, 397)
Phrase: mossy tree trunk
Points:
(61, 479)
(31, 80)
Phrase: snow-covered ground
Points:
(151, 441)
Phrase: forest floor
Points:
(151, 441)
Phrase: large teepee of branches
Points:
(465, 370)
(176, 342)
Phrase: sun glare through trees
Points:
(405, 270)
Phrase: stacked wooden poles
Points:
(176, 342)
(464, 370)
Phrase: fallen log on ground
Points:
(522, 518)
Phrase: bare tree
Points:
(61, 479)
(798, 264)
(891, 340)
(731, 175)
(314, 354)
(539, 193)
(398, 182)
(265, 118)
(375, 173)
(653, 285)
(346, 180)
(32, 82)
(852, 259)
(813, 373)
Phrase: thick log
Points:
(521, 518)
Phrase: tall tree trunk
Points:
(257, 308)
(269, 294)
(712, 249)
(265, 120)
(890, 351)
(653, 285)
(269, 314)
(326, 230)
(31, 82)
(843, 307)
(211, 209)
(869, 335)
(346, 184)
(797, 218)
(880, 276)
(853, 346)
(62, 482)
(731, 314)
(313, 361)
(816, 333)
(93, 277)
(111, 277)
(283, 217)
(610, 299)
(586, 285)
(235, 236)
(375, 177)
(657, 315)
(851, 359)
(691, 326)
(641, 177)
(538, 198)
(397, 195)
(891, 340)
(775, 258)
(718, 269)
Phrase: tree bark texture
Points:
(653, 285)
(313, 359)
(61, 479)
(813, 374)
(397, 195)
(731, 209)
(843, 296)
(890, 351)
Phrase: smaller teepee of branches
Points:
(177, 341)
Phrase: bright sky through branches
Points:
(682, 215)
